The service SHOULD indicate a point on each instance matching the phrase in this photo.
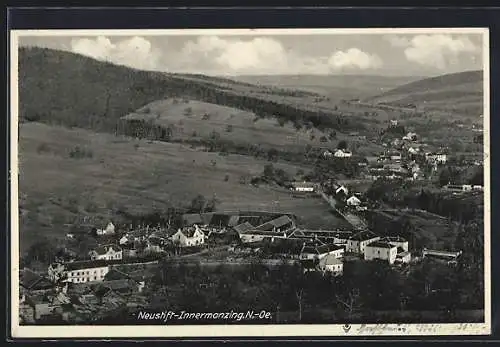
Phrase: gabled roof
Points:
(30, 280)
(330, 260)
(188, 232)
(378, 244)
(244, 227)
(101, 250)
(328, 248)
(86, 264)
(363, 236)
(275, 223)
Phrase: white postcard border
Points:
(271, 330)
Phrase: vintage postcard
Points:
(239, 183)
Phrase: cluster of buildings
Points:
(42, 300)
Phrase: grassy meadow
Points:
(139, 177)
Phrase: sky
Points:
(428, 54)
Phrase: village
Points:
(112, 274)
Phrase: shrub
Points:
(43, 148)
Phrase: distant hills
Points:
(344, 86)
(458, 92)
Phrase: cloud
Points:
(222, 56)
(439, 51)
(264, 55)
(136, 52)
(354, 58)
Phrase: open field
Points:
(191, 119)
(139, 177)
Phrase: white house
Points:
(79, 271)
(353, 201)
(358, 242)
(340, 153)
(331, 264)
(381, 250)
(109, 230)
(303, 187)
(106, 252)
(189, 237)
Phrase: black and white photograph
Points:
(264, 182)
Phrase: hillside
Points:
(334, 86)
(64, 88)
(460, 93)
(136, 176)
(192, 120)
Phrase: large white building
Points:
(332, 264)
(79, 271)
(358, 242)
(381, 250)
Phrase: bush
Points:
(226, 178)
(80, 153)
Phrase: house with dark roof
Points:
(357, 242)
(243, 227)
(381, 250)
(281, 224)
(106, 252)
(319, 251)
(32, 282)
